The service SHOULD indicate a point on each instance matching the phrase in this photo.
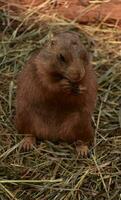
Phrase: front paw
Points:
(65, 85)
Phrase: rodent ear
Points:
(53, 42)
(85, 55)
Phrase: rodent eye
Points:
(74, 43)
(53, 42)
(62, 58)
(58, 76)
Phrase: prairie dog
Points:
(56, 94)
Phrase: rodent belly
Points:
(66, 130)
(45, 127)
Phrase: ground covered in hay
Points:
(51, 171)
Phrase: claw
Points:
(28, 143)
(82, 150)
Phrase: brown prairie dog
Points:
(56, 94)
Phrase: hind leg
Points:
(77, 128)
(86, 137)
(24, 124)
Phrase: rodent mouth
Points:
(75, 87)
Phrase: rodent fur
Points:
(56, 93)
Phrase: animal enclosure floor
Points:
(54, 171)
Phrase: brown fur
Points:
(56, 92)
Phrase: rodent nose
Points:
(74, 75)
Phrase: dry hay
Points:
(53, 171)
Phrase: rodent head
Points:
(68, 58)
